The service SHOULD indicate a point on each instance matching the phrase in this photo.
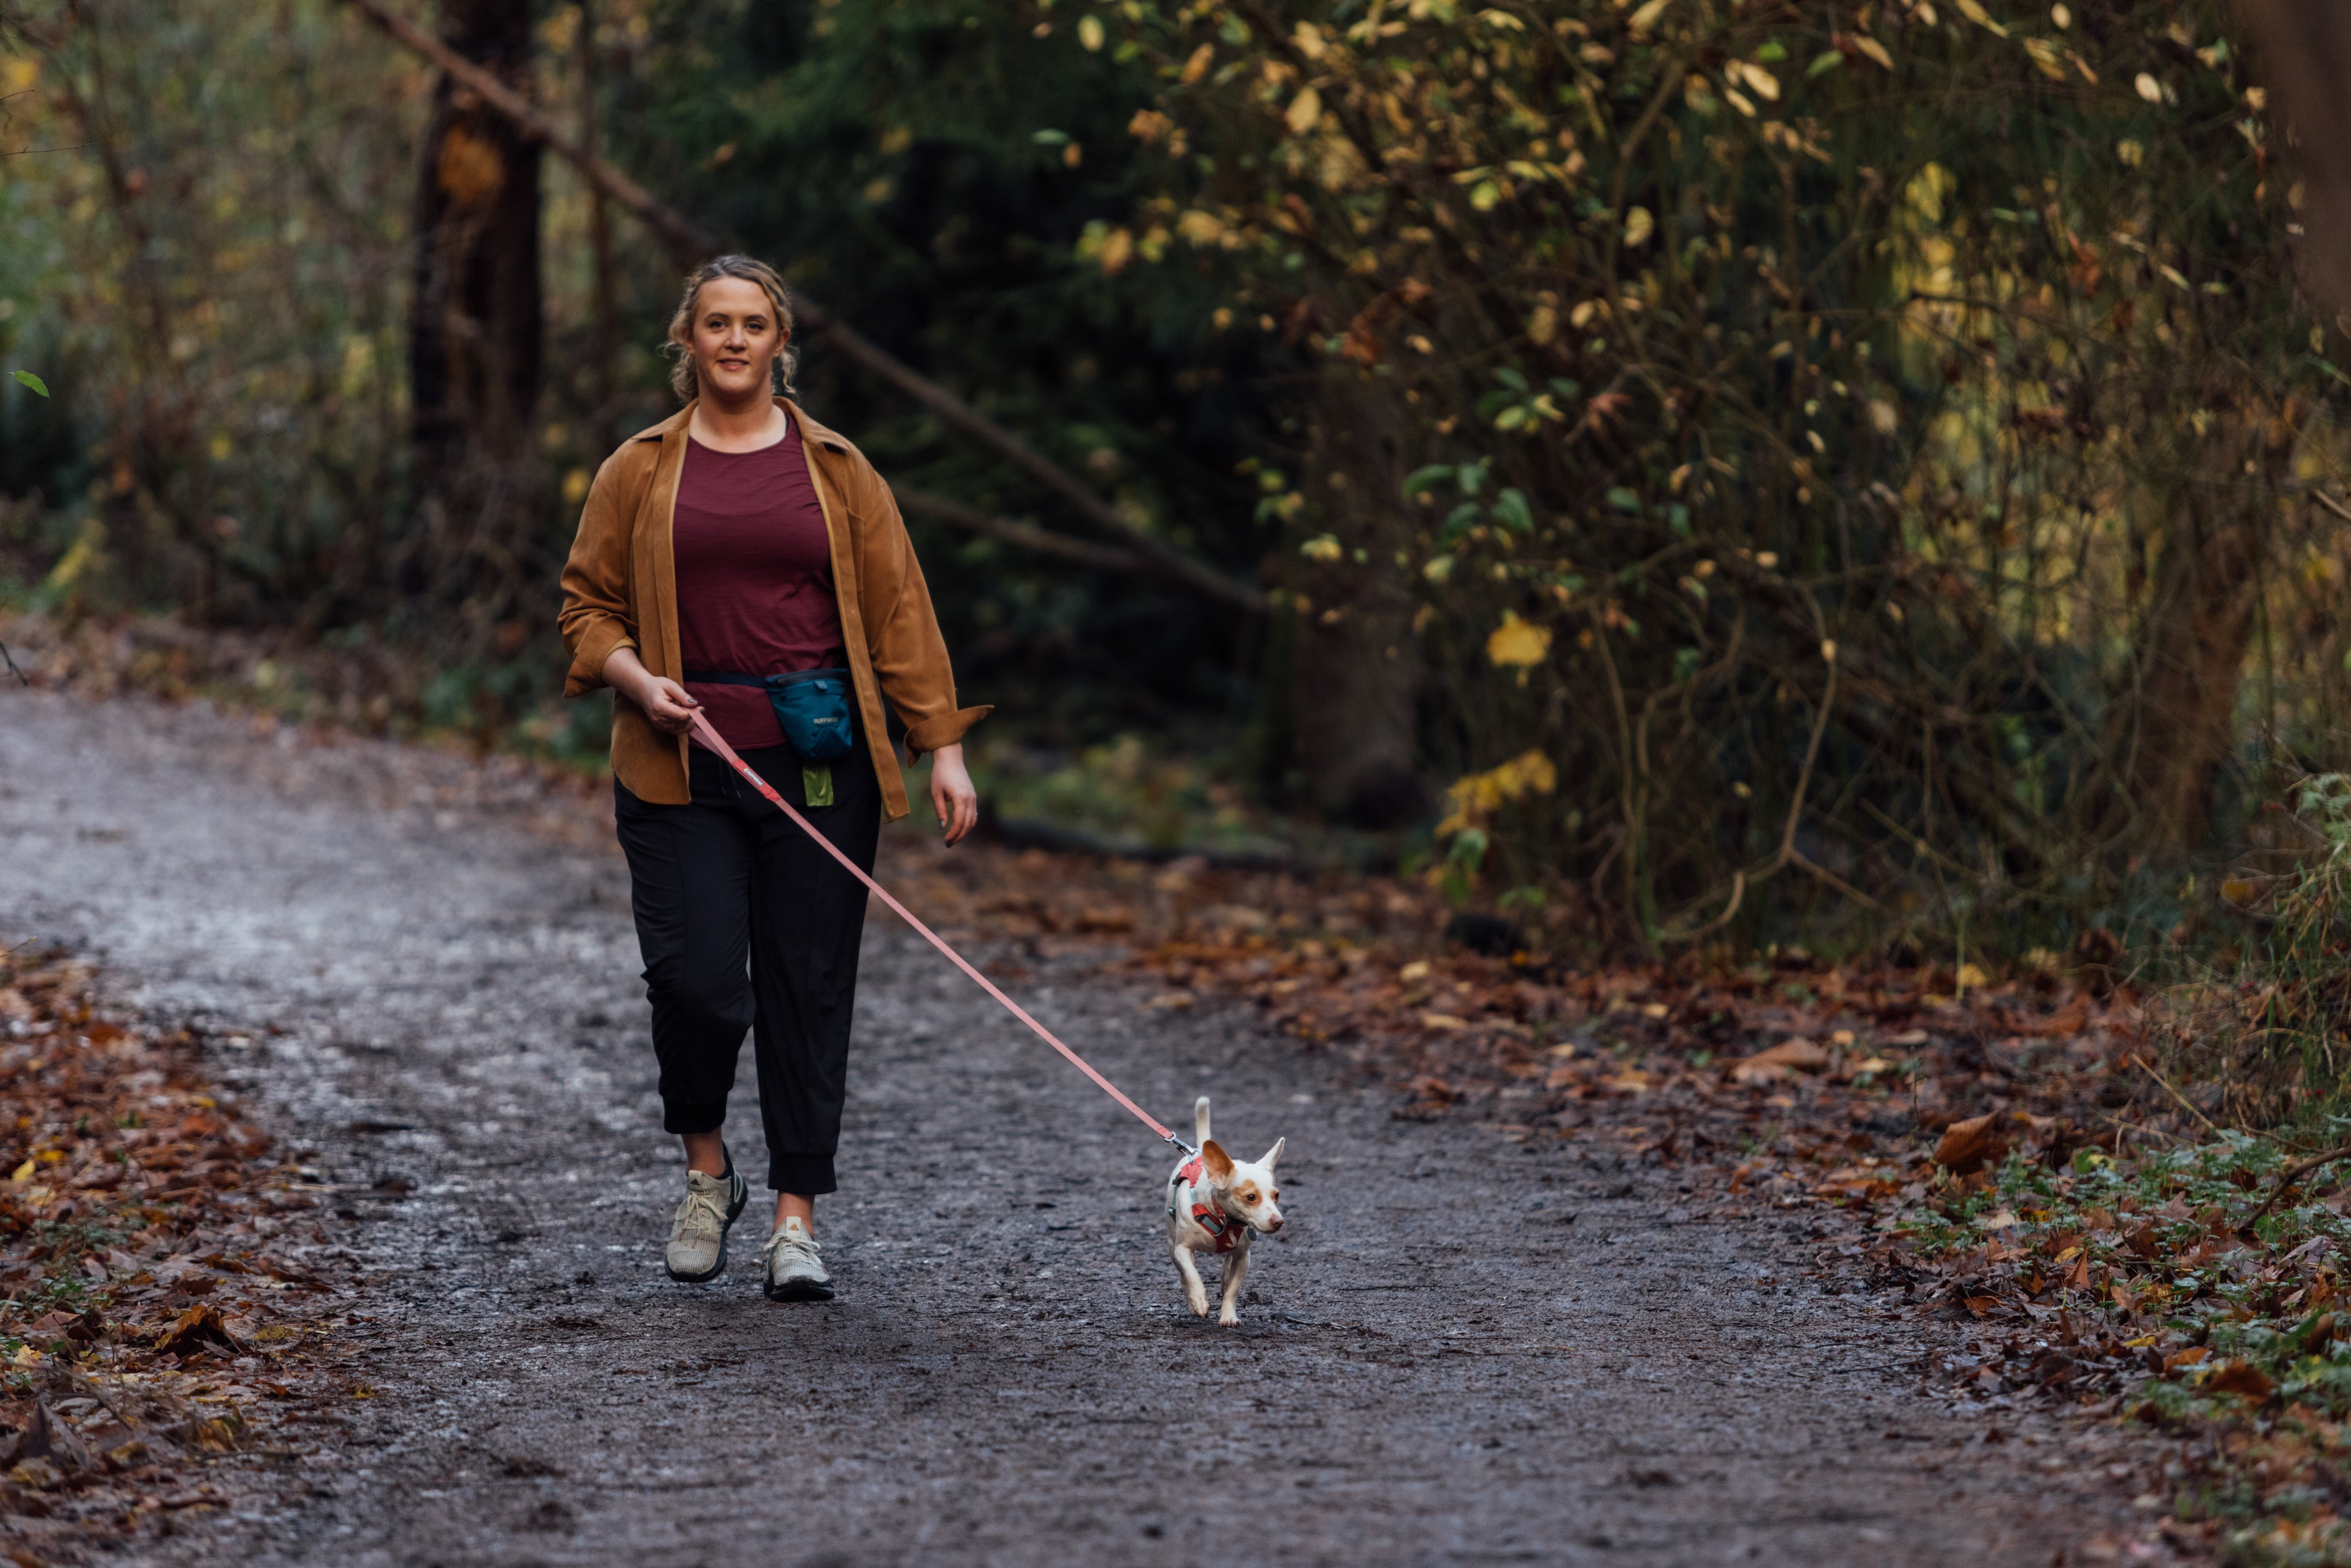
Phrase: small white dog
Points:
(1214, 1202)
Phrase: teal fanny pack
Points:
(817, 711)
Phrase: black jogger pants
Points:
(744, 922)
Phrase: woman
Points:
(739, 539)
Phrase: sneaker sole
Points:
(734, 1210)
(800, 1291)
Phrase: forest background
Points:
(1678, 475)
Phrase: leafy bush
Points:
(1858, 444)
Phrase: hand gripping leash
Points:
(710, 739)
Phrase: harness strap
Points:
(711, 737)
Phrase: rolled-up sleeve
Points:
(909, 655)
(599, 611)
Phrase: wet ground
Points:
(1462, 1349)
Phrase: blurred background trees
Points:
(1722, 469)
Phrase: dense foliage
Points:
(1864, 442)
(1731, 464)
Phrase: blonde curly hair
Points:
(680, 347)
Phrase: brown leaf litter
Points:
(166, 1307)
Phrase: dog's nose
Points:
(1272, 1223)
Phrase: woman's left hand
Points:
(952, 796)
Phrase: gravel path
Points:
(1461, 1349)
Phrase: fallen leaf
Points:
(2240, 1377)
(1967, 1146)
(1788, 1057)
(199, 1328)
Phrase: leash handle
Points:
(711, 738)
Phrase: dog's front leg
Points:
(1236, 1271)
(1196, 1291)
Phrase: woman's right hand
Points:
(663, 700)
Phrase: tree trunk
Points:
(2194, 644)
(604, 341)
(2194, 649)
(2305, 58)
(476, 329)
(1355, 665)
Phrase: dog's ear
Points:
(1273, 1153)
(1220, 1163)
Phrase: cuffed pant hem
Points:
(685, 1119)
(807, 1175)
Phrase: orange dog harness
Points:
(1222, 1228)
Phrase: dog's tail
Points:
(1200, 1120)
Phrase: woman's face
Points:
(736, 340)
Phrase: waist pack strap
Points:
(732, 678)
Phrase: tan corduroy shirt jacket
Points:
(620, 590)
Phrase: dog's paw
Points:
(1229, 1317)
(1199, 1301)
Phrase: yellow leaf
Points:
(1766, 85)
(1304, 110)
(1638, 226)
(1117, 250)
(1519, 644)
(1975, 13)
(1875, 51)
(2148, 88)
(1200, 229)
(1089, 33)
(25, 1171)
(1969, 978)
(1739, 101)
(1543, 325)
(1198, 65)
(1646, 17)
(2236, 889)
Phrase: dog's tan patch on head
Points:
(1219, 1164)
(1247, 1195)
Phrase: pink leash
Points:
(710, 737)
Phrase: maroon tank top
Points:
(753, 579)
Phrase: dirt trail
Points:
(1461, 1350)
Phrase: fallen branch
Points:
(2291, 1174)
(692, 244)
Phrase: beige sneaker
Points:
(794, 1272)
(697, 1234)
